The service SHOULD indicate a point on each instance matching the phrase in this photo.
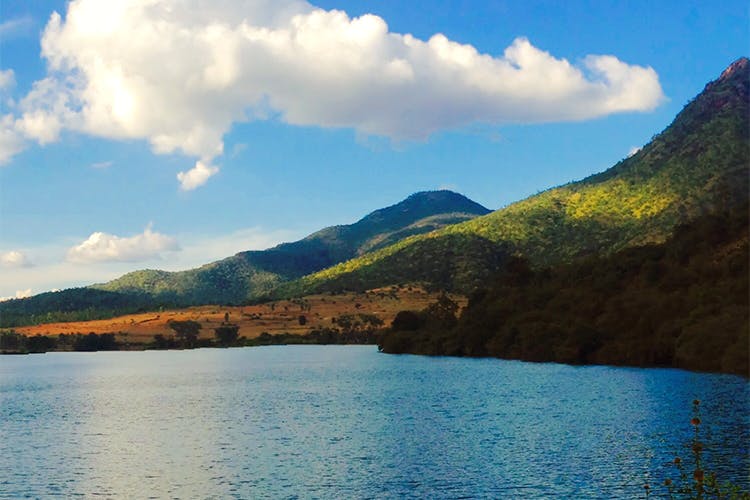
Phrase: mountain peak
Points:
(438, 196)
(423, 204)
(738, 67)
(735, 79)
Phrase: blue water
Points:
(349, 422)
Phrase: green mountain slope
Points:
(681, 303)
(697, 165)
(249, 274)
(73, 304)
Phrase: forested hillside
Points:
(682, 303)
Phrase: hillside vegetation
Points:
(699, 164)
(682, 303)
(250, 274)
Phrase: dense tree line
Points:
(12, 342)
(683, 303)
(74, 304)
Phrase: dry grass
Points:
(273, 317)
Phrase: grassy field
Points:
(282, 316)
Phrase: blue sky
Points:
(86, 195)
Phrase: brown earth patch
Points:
(282, 316)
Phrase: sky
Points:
(168, 134)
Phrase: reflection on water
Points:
(346, 421)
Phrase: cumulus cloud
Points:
(11, 140)
(196, 176)
(7, 79)
(14, 259)
(20, 294)
(103, 247)
(180, 73)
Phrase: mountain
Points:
(247, 274)
(697, 165)
(682, 303)
(250, 274)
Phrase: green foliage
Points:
(406, 321)
(75, 304)
(421, 331)
(454, 262)
(94, 342)
(12, 342)
(186, 332)
(226, 334)
(681, 303)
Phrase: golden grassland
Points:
(276, 317)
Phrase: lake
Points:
(349, 422)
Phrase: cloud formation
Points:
(180, 73)
(7, 79)
(14, 259)
(103, 247)
(11, 140)
(17, 26)
(196, 176)
(20, 294)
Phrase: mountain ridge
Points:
(248, 274)
(245, 275)
(698, 164)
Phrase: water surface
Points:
(349, 422)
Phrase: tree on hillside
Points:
(406, 321)
(186, 332)
(442, 312)
(227, 334)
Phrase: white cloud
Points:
(20, 294)
(103, 247)
(101, 164)
(180, 73)
(11, 140)
(196, 176)
(14, 259)
(7, 79)
(14, 27)
(633, 150)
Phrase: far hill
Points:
(246, 275)
(696, 166)
(249, 274)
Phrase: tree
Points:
(186, 332)
(443, 312)
(406, 321)
(227, 334)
